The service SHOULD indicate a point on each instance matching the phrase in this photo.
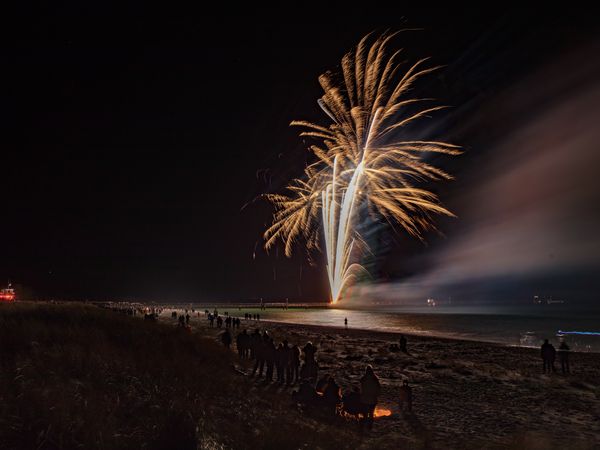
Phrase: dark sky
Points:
(135, 138)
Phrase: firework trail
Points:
(361, 162)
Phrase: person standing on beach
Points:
(295, 362)
(405, 397)
(259, 354)
(548, 356)
(403, 343)
(563, 356)
(242, 344)
(287, 362)
(332, 396)
(270, 356)
(346, 322)
(369, 392)
(254, 342)
(310, 368)
(279, 357)
(226, 339)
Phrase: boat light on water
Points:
(582, 333)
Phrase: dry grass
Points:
(74, 376)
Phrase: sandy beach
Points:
(466, 394)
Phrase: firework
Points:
(361, 162)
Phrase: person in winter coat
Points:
(370, 389)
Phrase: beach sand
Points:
(466, 394)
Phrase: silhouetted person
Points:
(295, 362)
(279, 362)
(211, 320)
(346, 322)
(271, 355)
(332, 396)
(259, 353)
(310, 368)
(242, 344)
(405, 397)
(305, 394)
(403, 343)
(548, 356)
(563, 356)
(219, 321)
(181, 320)
(352, 403)
(287, 362)
(255, 341)
(248, 344)
(322, 384)
(369, 392)
(258, 317)
(226, 338)
(187, 319)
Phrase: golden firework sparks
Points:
(360, 161)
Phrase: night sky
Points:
(138, 141)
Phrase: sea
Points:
(523, 325)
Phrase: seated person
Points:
(352, 404)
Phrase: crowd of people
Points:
(288, 364)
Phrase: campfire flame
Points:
(382, 412)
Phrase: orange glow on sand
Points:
(382, 412)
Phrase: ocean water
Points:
(509, 325)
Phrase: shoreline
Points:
(433, 335)
(466, 393)
(425, 335)
(512, 330)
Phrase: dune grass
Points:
(77, 376)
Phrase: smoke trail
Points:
(530, 206)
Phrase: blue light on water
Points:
(583, 333)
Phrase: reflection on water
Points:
(508, 325)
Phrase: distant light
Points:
(584, 333)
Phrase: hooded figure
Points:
(369, 392)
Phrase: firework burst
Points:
(360, 162)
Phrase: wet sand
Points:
(466, 394)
